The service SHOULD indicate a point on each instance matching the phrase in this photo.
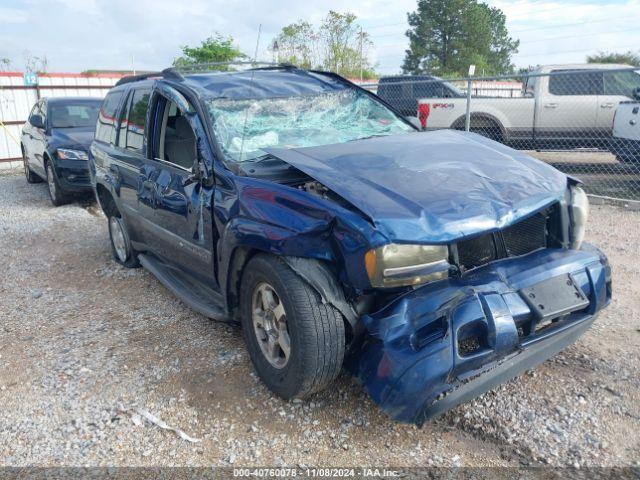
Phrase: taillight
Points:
(423, 113)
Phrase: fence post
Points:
(467, 119)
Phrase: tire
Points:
(485, 127)
(315, 330)
(28, 173)
(56, 193)
(121, 248)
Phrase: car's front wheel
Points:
(295, 341)
(56, 194)
(123, 252)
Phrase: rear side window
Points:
(137, 119)
(106, 127)
(567, 82)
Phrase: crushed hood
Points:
(432, 186)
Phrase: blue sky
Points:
(76, 35)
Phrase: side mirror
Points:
(199, 174)
(636, 93)
(37, 121)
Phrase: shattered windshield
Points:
(245, 127)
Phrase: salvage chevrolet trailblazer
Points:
(433, 265)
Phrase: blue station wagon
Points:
(432, 265)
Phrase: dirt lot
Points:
(82, 339)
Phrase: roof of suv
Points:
(62, 100)
(258, 83)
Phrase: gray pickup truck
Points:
(561, 106)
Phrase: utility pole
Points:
(467, 118)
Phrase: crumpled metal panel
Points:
(432, 187)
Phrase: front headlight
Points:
(397, 265)
(579, 213)
(68, 154)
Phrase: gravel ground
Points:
(85, 342)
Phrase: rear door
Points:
(569, 110)
(182, 231)
(129, 155)
(122, 166)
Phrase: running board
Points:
(199, 297)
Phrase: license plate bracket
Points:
(554, 297)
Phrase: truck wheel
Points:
(121, 248)
(56, 194)
(483, 126)
(295, 341)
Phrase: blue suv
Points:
(433, 265)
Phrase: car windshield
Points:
(244, 128)
(72, 115)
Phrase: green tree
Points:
(446, 36)
(338, 44)
(214, 49)
(296, 44)
(628, 58)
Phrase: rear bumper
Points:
(448, 342)
(73, 175)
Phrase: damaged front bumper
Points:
(446, 343)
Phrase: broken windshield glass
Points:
(245, 127)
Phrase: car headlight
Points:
(68, 154)
(579, 213)
(397, 265)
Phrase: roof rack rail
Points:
(216, 66)
(169, 73)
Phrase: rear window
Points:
(106, 127)
(137, 119)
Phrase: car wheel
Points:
(56, 194)
(31, 177)
(121, 248)
(295, 341)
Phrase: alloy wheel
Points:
(270, 325)
(51, 182)
(117, 237)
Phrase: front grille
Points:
(520, 238)
(477, 251)
(527, 235)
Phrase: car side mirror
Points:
(636, 93)
(199, 173)
(37, 121)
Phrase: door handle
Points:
(607, 105)
(550, 105)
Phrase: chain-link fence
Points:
(584, 120)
